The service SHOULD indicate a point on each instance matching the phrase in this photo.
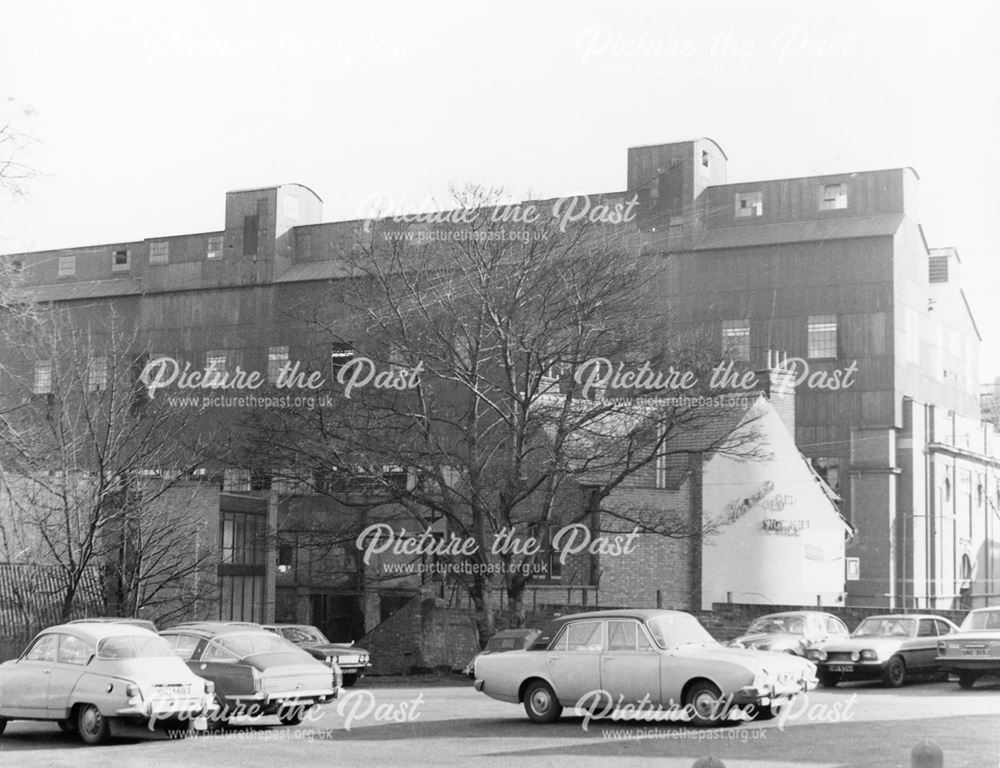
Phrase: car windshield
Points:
(251, 643)
(886, 627)
(677, 629)
(303, 635)
(134, 647)
(981, 620)
(778, 625)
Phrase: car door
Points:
(573, 661)
(26, 682)
(921, 650)
(71, 660)
(232, 677)
(630, 666)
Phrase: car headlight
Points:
(868, 655)
(328, 659)
(855, 656)
(816, 654)
(258, 680)
(132, 691)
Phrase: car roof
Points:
(907, 616)
(98, 630)
(796, 613)
(217, 627)
(640, 614)
(986, 610)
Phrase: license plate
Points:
(975, 651)
(841, 667)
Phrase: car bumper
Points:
(272, 699)
(169, 708)
(982, 664)
(765, 695)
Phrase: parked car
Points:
(975, 651)
(83, 675)
(255, 672)
(650, 658)
(144, 623)
(791, 632)
(892, 648)
(353, 661)
(504, 640)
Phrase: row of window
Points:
(748, 205)
(821, 338)
(121, 258)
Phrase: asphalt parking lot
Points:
(434, 724)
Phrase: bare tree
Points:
(480, 323)
(94, 474)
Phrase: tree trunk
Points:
(485, 620)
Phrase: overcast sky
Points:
(145, 117)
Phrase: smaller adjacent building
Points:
(742, 517)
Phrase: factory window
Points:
(214, 248)
(42, 384)
(97, 374)
(736, 339)
(834, 197)
(120, 260)
(822, 336)
(749, 204)
(340, 354)
(215, 360)
(277, 357)
(938, 269)
(67, 266)
(159, 252)
(250, 233)
(243, 538)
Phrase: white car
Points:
(661, 662)
(84, 675)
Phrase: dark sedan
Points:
(353, 661)
(255, 672)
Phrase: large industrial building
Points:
(830, 276)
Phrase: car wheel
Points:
(966, 680)
(67, 726)
(350, 680)
(828, 679)
(705, 703)
(540, 703)
(92, 725)
(894, 674)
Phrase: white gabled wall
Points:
(780, 539)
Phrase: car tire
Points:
(67, 726)
(540, 702)
(350, 680)
(894, 674)
(92, 725)
(828, 679)
(703, 697)
(966, 680)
